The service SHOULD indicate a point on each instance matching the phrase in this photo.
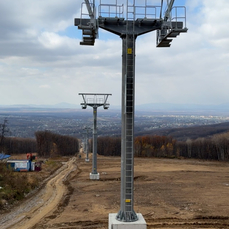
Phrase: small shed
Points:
(20, 165)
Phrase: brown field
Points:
(169, 193)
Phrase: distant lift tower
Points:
(141, 18)
(86, 132)
(94, 100)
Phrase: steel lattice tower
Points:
(139, 20)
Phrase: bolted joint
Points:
(130, 216)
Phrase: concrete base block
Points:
(94, 176)
(115, 224)
(87, 160)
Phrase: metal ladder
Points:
(129, 112)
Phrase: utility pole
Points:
(140, 19)
(94, 100)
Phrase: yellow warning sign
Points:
(129, 51)
(127, 200)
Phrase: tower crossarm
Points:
(118, 25)
(95, 100)
(111, 19)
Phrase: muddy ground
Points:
(169, 193)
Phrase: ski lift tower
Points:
(87, 129)
(139, 19)
(94, 100)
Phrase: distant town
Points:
(24, 123)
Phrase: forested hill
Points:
(194, 132)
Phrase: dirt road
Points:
(32, 211)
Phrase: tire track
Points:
(46, 201)
(188, 223)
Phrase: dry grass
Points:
(16, 185)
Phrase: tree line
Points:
(46, 144)
(214, 148)
(18, 145)
(51, 144)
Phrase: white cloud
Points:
(51, 40)
(41, 60)
(44, 86)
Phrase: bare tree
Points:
(4, 129)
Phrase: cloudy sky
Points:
(41, 61)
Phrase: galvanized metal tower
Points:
(95, 100)
(140, 19)
(86, 129)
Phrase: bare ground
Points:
(169, 193)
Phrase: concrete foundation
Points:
(94, 176)
(115, 224)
